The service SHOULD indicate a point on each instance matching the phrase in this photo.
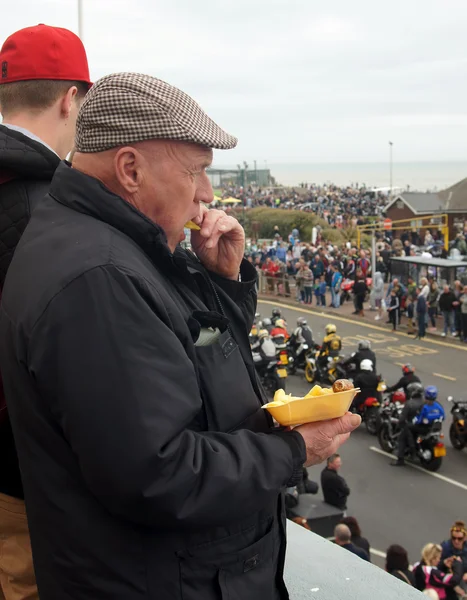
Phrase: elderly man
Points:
(150, 469)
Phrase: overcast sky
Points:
(294, 80)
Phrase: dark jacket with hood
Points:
(159, 474)
(26, 170)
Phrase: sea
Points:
(412, 176)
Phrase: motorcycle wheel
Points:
(272, 383)
(384, 439)
(456, 441)
(431, 465)
(372, 420)
(310, 373)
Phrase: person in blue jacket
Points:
(431, 410)
(336, 287)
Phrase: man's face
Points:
(174, 183)
(458, 539)
(336, 464)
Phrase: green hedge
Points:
(286, 220)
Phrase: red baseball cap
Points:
(43, 52)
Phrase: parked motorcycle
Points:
(458, 429)
(429, 449)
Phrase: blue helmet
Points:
(431, 392)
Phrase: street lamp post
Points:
(390, 170)
(80, 19)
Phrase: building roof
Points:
(445, 263)
(455, 197)
(421, 202)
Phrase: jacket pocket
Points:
(221, 571)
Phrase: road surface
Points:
(407, 506)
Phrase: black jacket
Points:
(411, 409)
(356, 550)
(26, 170)
(357, 357)
(446, 300)
(149, 466)
(368, 382)
(335, 489)
(404, 382)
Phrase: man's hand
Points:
(220, 244)
(324, 437)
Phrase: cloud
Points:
(295, 81)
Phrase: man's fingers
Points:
(345, 424)
(337, 442)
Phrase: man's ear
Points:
(128, 171)
(66, 103)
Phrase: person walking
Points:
(421, 312)
(360, 290)
(336, 282)
(446, 306)
(432, 300)
(378, 294)
(393, 309)
(149, 467)
(45, 77)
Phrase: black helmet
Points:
(415, 390)
(364, 345)
(301, 322)
(266, 322)
(276, 312)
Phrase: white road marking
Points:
(445, 376)
(418, 468)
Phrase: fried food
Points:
(341, 385)
(191, 225)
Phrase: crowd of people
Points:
(326, 274)
(340, 206)
(440, 572)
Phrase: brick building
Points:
(452, 201)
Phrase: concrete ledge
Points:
(319, 570)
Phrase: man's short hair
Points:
(342, 533)
(35, 94)
(332, 458)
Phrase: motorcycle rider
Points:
(331, 346)
(276, 314)
(408, 377)
(364, 352)
(368, 382)
(301, 335)
(267, 324)
(411, 409)
(264, 349)
(280, 328)
(431, 410)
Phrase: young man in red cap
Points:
(44, 77)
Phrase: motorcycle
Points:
(253, 336)
(297, 359)
(334, 369)
(282, 351)
(429, 448)
(458, 429)
(272, 375)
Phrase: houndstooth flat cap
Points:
(124, 108)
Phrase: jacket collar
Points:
(24, 157)
(89, 196)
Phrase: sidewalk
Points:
(346, 310)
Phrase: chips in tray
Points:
(319, 404)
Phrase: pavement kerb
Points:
(354, 319)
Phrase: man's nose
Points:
(204, 192)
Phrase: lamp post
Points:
(80, 19)
(390, 170)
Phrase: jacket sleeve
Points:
(396, 386)
(120, 385)
(243, 292)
